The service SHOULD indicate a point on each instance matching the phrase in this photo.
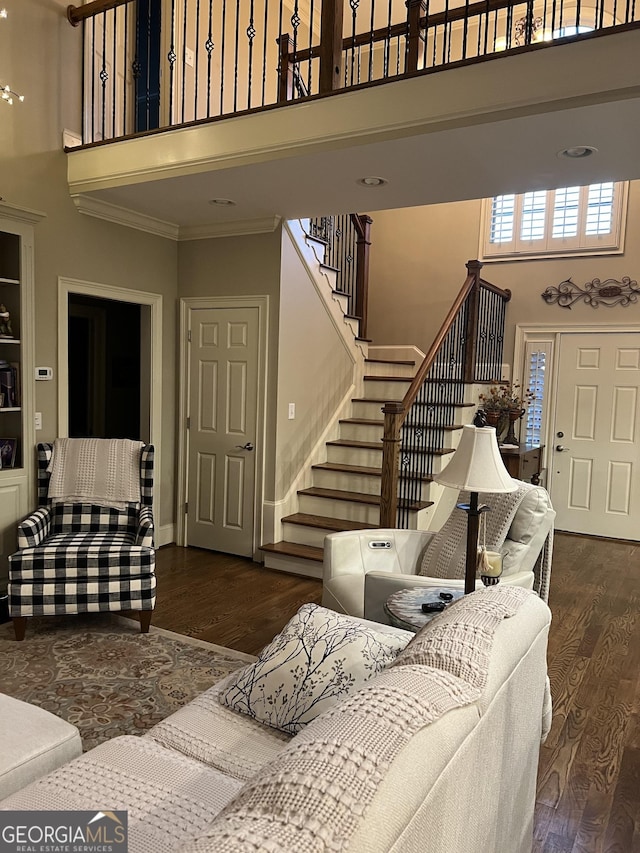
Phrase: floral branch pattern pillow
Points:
(318, 658)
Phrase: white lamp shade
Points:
(476, 465)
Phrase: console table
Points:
(524, 462)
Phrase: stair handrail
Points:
(396, 412)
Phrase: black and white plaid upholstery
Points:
(78, 558)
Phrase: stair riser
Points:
(293, 565)
(346, 482)
(372, 369)
(340, 509)
(355, 456)
(360, 432)
(370, 411)
(385, 390)
(313, 536)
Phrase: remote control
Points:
(433, 606)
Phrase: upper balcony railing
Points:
(154, 64)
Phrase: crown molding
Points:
(238, 228)
(125, 216)
(21, 214)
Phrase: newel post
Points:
(285, 69)
(393, 417)
(330, 45)
(363, 242)
(471, 332)
(414, 12)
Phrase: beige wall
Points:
(241, 266)
(315, 369)
(417, 267)
(41, 57)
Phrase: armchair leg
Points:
(145, 621)
(19, 626)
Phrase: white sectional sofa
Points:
(435, 754)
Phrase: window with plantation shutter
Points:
(536, 383)
(545, 223)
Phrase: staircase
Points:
(345, 494)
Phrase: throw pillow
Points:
(318, 658)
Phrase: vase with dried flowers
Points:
(503, 405)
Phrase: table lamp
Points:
(476, 466)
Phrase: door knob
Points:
(560, 448)
(247, 446)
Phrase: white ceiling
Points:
(432, 138)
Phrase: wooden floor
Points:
(589, 780)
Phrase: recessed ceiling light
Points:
(223, 202)
(578, 152)
(371, 181)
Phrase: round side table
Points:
(404, 607)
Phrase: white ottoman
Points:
(32, 743)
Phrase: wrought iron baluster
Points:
(223, 50)
(295, 23)
(387, 43)
(93, 79)
(236, 45)
(104, 75)
(125, 123)
(196, 76)
(251, 34)
(184, 55)
(171, 58)
(264, 52)
(209, 46)
(354, 11)
(114, 69)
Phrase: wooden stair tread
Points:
(388, 379)
(383, 401)
(349, 469)
(388, 361)
(356, 497)
(293, 549)
(348, 442)
(324, 523)
(380, 423)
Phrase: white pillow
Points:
(318, 658)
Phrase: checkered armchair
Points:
(80, 558)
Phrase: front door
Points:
(595, 452)
(222, 411)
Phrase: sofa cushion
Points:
(210, 732)
(168, 797)
(318, 658)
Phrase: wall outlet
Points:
(292, 411)
(38, 420)
(188, 57)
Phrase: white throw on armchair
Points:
(363, 567)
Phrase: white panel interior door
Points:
(595, 453)
(223, 390)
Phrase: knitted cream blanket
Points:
(313, 796)
(445, 555)
(100, 471)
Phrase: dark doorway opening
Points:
(104, 368)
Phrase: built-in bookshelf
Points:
(11, 412)
(17, 358)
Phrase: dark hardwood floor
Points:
(227, 600)
(589, 778)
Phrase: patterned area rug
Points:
(99, 673)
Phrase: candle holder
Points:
(489, 566)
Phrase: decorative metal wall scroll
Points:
(609, 292)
